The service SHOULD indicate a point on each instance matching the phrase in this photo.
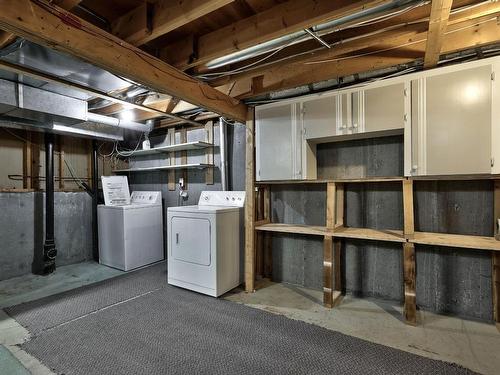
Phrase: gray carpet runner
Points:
(174, 331)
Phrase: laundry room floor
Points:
(471, 344)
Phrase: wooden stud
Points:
(328, 283)
(171, 173)
(209, 152)
(438, 21)
(339, 205)
(409, 225)
(61, 163)
(409, 270)
(27, 162)
(249, 204)
(268, 251)
(337, 265)
(495, 256)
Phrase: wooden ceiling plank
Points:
(166, 15)
(66, 4)
(43, 24)
(438, 21)
(280, 20)
(459, 36)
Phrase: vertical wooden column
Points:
(60, 142)
(409, 266)
(268, 251)
(250, 204)
(209, 152)
(259, 236)
(495, 257)
(27, 162)
(332, 246)
(171, 173)
(35, 161)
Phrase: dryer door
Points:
(190, 240)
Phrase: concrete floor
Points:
(471, 344)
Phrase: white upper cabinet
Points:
(453, 120)
(278, 142)
(385, 107)
(319, 116)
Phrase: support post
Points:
(27, 162)
(268, 251)
(250, 204)
(95, 196)
(410, 306)
(171, 173)
(495, 257)
(49, 246)
(332, 276)
(409, 266)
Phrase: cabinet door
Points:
(320, 117)
(451, 133)
(274, 133)
(384, 107)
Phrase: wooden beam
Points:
(165, 16)
(409, 275)
(66, 4)
(250, 204)
(280, 20)
(495, 256)
(408, 214)
(438, 21)
(401, 49)
(52, 27)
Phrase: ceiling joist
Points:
(440, 12)
(47, 25)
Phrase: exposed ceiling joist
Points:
(280, 20)
(438, 21)
(387, 53)
(350, 41)
(150, 21)
(53, 27)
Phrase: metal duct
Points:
(119, 123)
(302, 35)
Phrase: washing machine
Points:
(205, 243)
(130, 226)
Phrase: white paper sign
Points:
(116, 192)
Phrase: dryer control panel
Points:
(222, 198)
(146, 197)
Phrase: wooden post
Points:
(249, 204)
(268, 251)
(171, 173)
(332, 276)
(27, 162)
(339, 205)
(410, 306)
(328, 271)
(209, 153)
(409, 266)
(495, 257)
(409, 225)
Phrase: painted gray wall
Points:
(21, 230)
(450, 281)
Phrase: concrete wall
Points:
(450, 281)
(21, 230)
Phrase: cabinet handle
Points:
(177, 238)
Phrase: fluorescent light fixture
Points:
(127, 115)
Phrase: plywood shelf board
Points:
(344, 180)
(456, 240)
(197, 145)
(295, 229)
(164, 168)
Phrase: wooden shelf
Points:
(369, 234)
(339, 232)
(165, 168)
(197, 145)
(456, 240)
(345, 180)
(294, 228)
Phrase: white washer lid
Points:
(202, 209)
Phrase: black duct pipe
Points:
(95, 196)
(49, 246)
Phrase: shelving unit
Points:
(165, 168)
(334, 231)
(188, 146)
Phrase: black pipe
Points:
(49, 246)
(95, 192)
